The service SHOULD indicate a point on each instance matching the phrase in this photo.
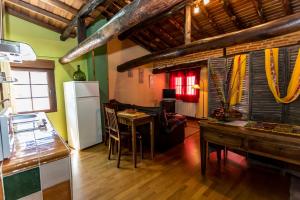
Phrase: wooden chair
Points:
(117, 135)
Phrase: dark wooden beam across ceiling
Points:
(268, 30)
(230, 12)
(83, 12)
(259, 10)
(38, 10)
(33, 20)
(126, 18)
(152, 20)
(159, 70)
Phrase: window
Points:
(183, 82)
(35, 89)
(190, 80)
(178, 85)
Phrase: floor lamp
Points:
(201, 88)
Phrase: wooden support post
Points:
(188, 23)
(81, 30)
(83, 12)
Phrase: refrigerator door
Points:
(86, 89)
(89, 121)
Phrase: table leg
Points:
(133, 129)
(203, 146)
(152, 138)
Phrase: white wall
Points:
(127, 89)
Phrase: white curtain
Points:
(7, 87)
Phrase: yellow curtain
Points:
(237, 78)
(271, 68)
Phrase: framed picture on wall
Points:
(141, 75)
(130, 74)
(151, 81)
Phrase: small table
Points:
(135, 120)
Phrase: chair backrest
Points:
(112, 121)
(107, 105)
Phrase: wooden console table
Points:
(281, 146)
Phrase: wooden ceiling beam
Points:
(152, 20)
(145, 44)
(152, 34)
(61, 5)
(83, 12)
(229, 11)
(127, 17)
(188, 65)
(210, 19)
(38, 10)
(287, 7)
(161, 35)
(169, 36)
(259, 10)
(178, 26)
(33, 20)
(149, 37)
(278, 27)
(195, 26)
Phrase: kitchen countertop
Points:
(32, 148)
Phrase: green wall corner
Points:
(101, 64)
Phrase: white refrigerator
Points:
(82, 104)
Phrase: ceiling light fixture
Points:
(205, 2)
(196, 9)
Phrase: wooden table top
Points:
(136, 115)
(236, 129)
(32, 148)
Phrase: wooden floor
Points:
(173, 175)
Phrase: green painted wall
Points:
(101, 64)
(47, 45)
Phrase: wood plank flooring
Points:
(173, 175)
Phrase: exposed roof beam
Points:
(259, 10)
(177, 25)
(151, 39)
(161, 34)
(151, 34)
(229, 11)
(33, 20)
(264, 31)
(83, 12)
(152, 20)
(61, 5)
(126, 18)
(145, 44)
(168, 35)
(211, 20)
(38, 10)
(287, 7)
(175, 67)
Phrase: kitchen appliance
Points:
(82, 104)
(7, 135)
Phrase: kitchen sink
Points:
(22, 118)
(25, 122)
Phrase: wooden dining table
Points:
(133, 120)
